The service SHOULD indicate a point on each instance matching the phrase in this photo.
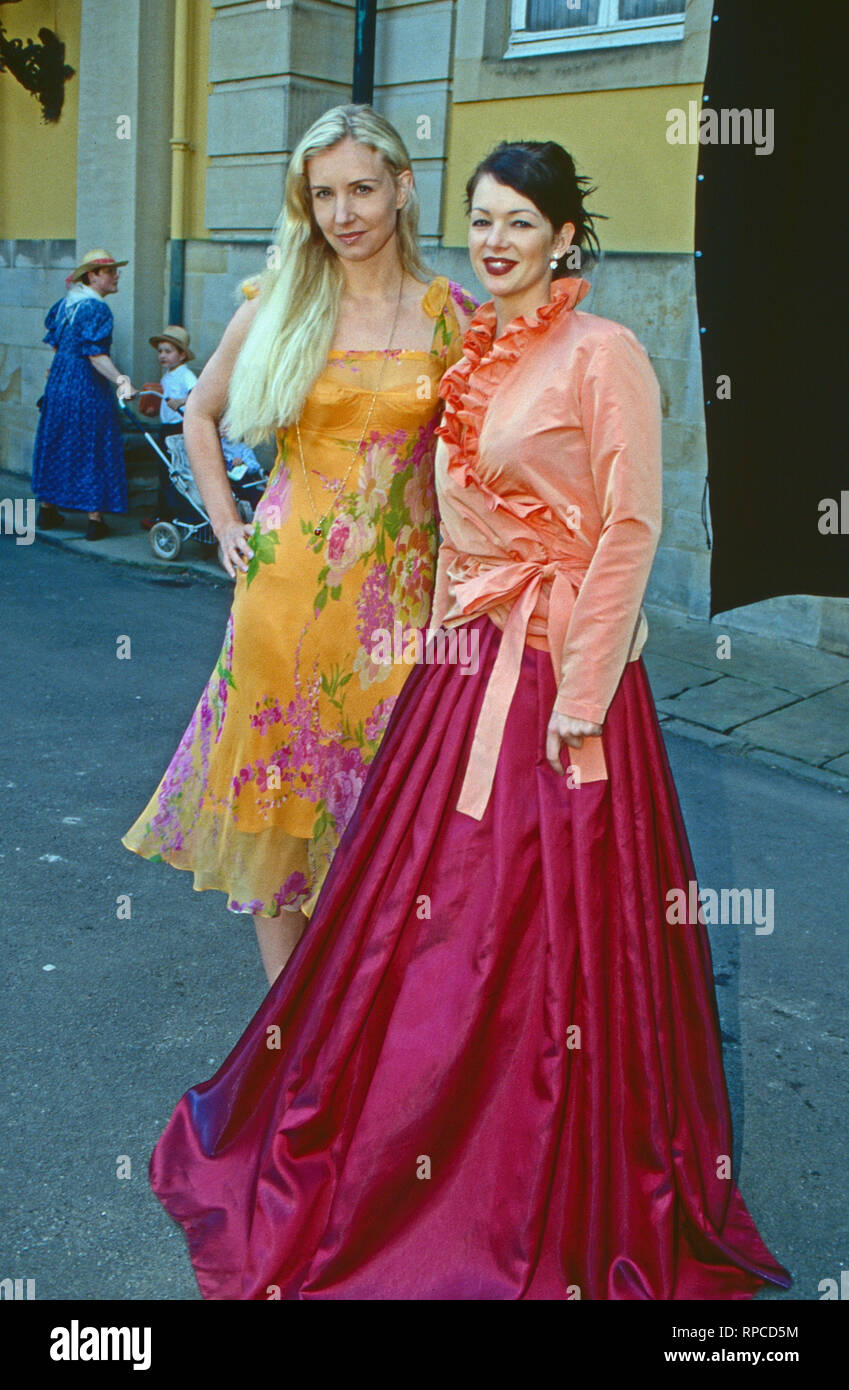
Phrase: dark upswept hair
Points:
(544, 172)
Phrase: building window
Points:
(562, 26)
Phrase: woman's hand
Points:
(562, 729)
(102, 362)
(125, 389)
(234, 548)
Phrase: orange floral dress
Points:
(268, 773)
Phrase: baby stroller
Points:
(185, 514)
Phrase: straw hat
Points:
(173, 333)
(98, 259)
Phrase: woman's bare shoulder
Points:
(239, 325)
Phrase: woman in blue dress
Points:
(78, 458)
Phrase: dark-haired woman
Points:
(492, 1070)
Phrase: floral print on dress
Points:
(268, 774)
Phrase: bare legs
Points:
(277, 938)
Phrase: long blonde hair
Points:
(289, 340)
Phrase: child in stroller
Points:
(183, 514)
(167, 399)
(179, 510)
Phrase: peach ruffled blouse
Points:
(549, 476)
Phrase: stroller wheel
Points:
(245, 510)
(165, 541)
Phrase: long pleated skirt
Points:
(491, 1069)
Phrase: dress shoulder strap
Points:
(447, 334)
(434, 297)
(436, 304)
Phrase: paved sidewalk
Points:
(777, 702)
(128, 544)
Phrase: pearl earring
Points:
(553, 263)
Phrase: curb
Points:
(738, 748)
(181, 571)
(167, 571)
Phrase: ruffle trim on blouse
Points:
(468, 387)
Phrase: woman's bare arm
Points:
(103, 363)
(205, 406)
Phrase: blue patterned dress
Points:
(78, 457)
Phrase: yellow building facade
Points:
(178, 122)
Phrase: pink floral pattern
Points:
(278, 748)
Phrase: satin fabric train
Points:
(491, 1070)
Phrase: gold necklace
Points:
(318, 530)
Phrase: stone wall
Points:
(274, 68)
(123, 159)
(482, 72)
(32, 277)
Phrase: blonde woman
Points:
(339, 350)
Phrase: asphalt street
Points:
(107, 1021)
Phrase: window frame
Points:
(608, 33)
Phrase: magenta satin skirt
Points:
(491, 1069)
